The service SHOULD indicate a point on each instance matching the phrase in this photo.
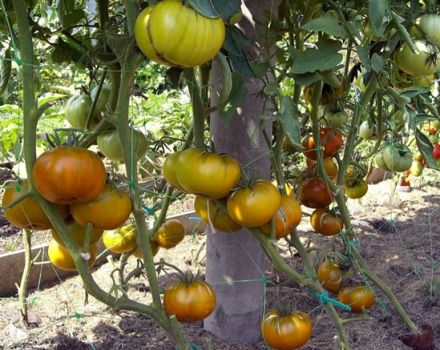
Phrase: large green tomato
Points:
(380, 161)
(416, 63)
(77, 109)
(109, 144)
(337, 119)
(397, 157)
(103, 98)
(430, 25)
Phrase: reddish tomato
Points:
(432, 131)
(109, 211)
(286, 218)
(331, 140)
(69, 175)
(418, 156)
(189, 302)
(359, 298)
(60, 256)
(27, 214)
(286, 332)
(214, 215)
(326, 223)
(315, 193)
(77, 232)
(254, 206)
(170, 234)
(436, 151)
(330, 276)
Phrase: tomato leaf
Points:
(234, 43)
(227, 109)
(377, 62)
(425, 147)
(68, 14)
(227, 79)
(325, 57)
(204, 7)
(328, 25)
(307, 78)
(377, 14)
(287, 115)
(226, 8)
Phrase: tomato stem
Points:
(197, 108)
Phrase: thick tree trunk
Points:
(235, 262)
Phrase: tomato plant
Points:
(315, 193)
(82, 173)
(189, 302)
(254, 206)
(174, 34)
(286, 332)
(326, 223)
(330, 276)
(214, 215)
(169, 234)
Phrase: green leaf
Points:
(227, 79)
(50, 98)
(5, 71)
(68, 14)
(325, 57)
(365, 59)
(328, 25)
(236, 98)
(307, 78)
(260, 69)
(425, 147)
(204, 7)
(234, 43)
(376, 14)
(12, 109)
(287, 116)
(377, 62)
(226, 8)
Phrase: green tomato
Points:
(103, 98)
(366, 131)
(337, 119)
(380, 161)
(416, 63)
(430, 25)
(109, 144)
(397, 157)
(77, 109)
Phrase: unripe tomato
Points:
(366, 131)
(60, 256)
(171, 233)
(315, 193)
(174, 34)
(286, 218)
(380, 162)
(416, 168)
(331, 140)
(330, 276)
(330, 166)
(207, 174)
(215, 216)
(254, 206)
(356, 188)
(337, 119)
(154, 250)
(436, 151)
(121, 240)
(110, 145)
(359, 298)
(169, 170)
(103, 98)
(108, 211)
(416, 63)
(68, 175)
(189, 302)
(397, 157)
(78, 233)
(325, 222)
(430, 25)
(27, 214)
(77, 109)
(286, 332)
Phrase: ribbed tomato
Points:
(171, 233)
(27, 214)
(331, 140)
(121, 240)
(174, 34)
(214, 215)
(189, 302)
(108, 211)
(315, 193)
(330, 167)
(356, 188)
(78, 233)
(325, 223)
(286, 332)
(68, 175)
(286, 218)
(359, 298)
(330, 276)
(110, 145)
(60, 256)
(254, 206)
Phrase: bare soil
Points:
(399, 236)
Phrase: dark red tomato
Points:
(315, 193)
(331, 140)
(436, 151)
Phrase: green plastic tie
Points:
(325, 298)
(264, 280)
(77, 315)
(17, 58)
(148, 210)
(193, 347)
(33, 300)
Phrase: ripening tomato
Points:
(60, 256)
(108, 211)
(286, 332)
(27, 214)
(206, 174)
(169, 169)
(78, 233)
(286, 218)
(325, 223)
(175, 34)
(110, 145)
(254, 206)
(154, 249)
(315, 193)
(189, 302)
(356, 188)
(436, 151)
(359, 298)
(214, 215)
(331, 140)
(169, 234)
(121, 240)
(69, 175)
(330, 276)
(416, 168)
(330, 94)
(330, 166)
